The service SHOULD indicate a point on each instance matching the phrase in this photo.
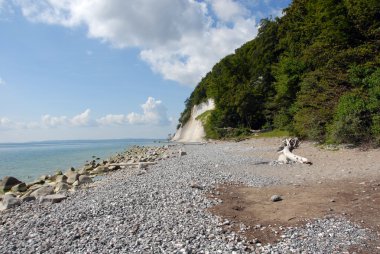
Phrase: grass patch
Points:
(272, 134)
(204, 117)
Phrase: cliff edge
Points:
(193, 130)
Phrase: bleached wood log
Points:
(132, 163)
(290, 144)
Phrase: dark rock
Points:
(7, 183)
(21, 187)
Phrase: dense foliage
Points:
(314, 72)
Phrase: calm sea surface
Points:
(27, 161)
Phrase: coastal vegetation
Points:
(315, 73)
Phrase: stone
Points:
(61, 179)
(61, 187)
(72, 178)
(195, 185)
(86, 169)
(100, 170)
(9, 201)
(83, 179)
(52, 199)
(113, 168)
(182, 153)
(21, 187)
(27, 198)
(44, 177)
(37, 182)
(7, 183)
(43, 191)
(275, 198)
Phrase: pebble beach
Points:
(164, 208)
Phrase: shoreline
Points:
(28, 161)
(170, 200)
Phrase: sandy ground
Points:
(338, 183)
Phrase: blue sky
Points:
(80, 69)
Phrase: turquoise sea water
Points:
(28, 161)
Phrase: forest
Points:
(314, 72)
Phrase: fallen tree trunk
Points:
(132, 163)
(286, 152)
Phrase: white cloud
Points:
(181, 40)
(2, 82)
(5, 122)
(48, 121)
(52, 121)
(112, 119)
(154, 113)
(228, 10)
(82, 119)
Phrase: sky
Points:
(109, 69)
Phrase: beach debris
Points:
(7, 183)
(276, 198)
(181, 152)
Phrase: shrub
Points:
(352, 121)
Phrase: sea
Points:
(28, 161)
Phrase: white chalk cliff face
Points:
(193, 130)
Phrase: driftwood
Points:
(132, 163)
(286, 154)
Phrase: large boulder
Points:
(72, 176)
(21, 187)
(83, 179)
(43, 191)
(86, 169)
(9, 201)
(60, 179)
(51, 199)
(7, 183)
(61, 187)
